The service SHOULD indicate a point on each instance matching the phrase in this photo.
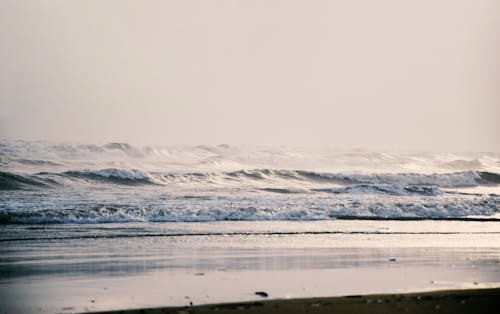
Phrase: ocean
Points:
(117, 182)
(88, 227)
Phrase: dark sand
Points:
(450, 301)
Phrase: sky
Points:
(343, 74)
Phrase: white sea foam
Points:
(16, 156)
(113, 173)
(150, 206)
(68, 183)
(457, 179)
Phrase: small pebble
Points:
(262, 294)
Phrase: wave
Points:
(384, 189)
(456, 179)
(36, 162)
(263, 174)
(284, 190)
(463, 164)
(49, 156)
(489, 178)
(12, 181)
(203, 210)
(119, 182)
(395, 184)
(412, 180)
(113, 175)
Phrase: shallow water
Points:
(63, 268)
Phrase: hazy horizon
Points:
(418, 75)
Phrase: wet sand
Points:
(448, 301)
(115, 267)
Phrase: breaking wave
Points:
(12, 181)
(456, 179)
(203, 210)
(118, 182)
(402, 183)
(112, 175)
(384, 189)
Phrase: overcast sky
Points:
(344, 74)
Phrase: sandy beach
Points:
(450, 301)
(117, 267)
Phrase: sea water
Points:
(69, 183)
(98, 227)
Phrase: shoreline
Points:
(107, 268)
(441, 301)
